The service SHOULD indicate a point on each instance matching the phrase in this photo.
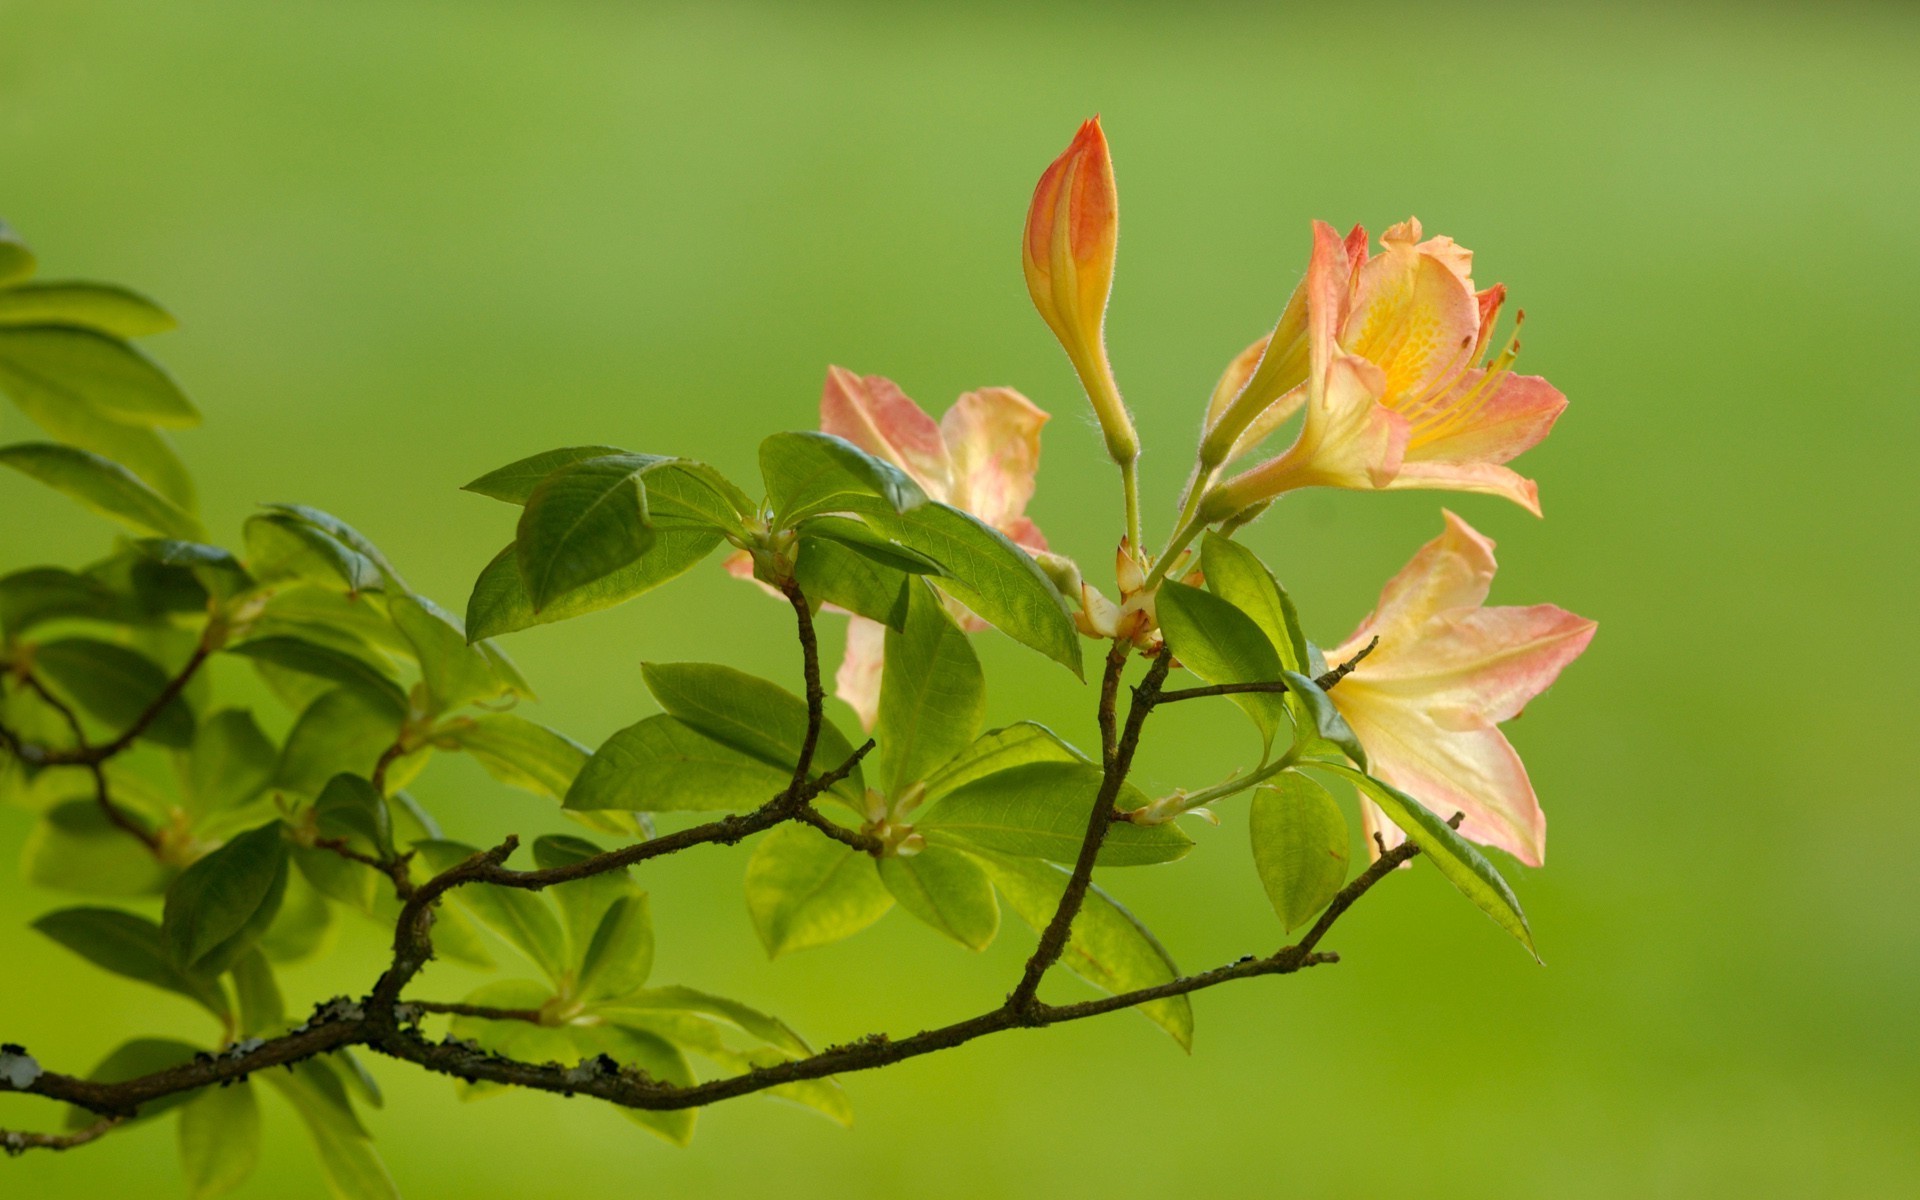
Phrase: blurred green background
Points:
(411, 241)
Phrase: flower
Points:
(1068, 254)
(1380, 351)
(981, 456)
(1428, 701)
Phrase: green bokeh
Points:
(411, 241)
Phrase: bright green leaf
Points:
(147, 452)
(132, 946)
(344, 730)
(948, 890)
(752, 715)
(1221, 644)
(523, 918)
(353, 1171)
(1040, 810)
(64, 364)
(663, 765)
(1236, 575)
(806, 890)
(583, 523)
(500, 605)
(361, 672)
(75, 848)
(262, 1008)
(102, 485)
(231, 762)
(130, 1060)
(519, 752)
(516, 481)
(1326, 723)
(812, 473)
(104, 307)
(221, 904)
(933, 695)
(219, 1139)
(350, 809)
(661, 1060)
(1299, 846)
(998, 750)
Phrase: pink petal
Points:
(1469, 427)
(1487, 479)
(874, 414)
(1489, 301)
(1474, 771)
(992, 438)
(1454, 570)
(858, 679)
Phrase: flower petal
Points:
(1514, 415)
(1481, 665)
(858, 679)
(1454, 570)
(874, 414)
(1488, 479)
(993, 441)
(1472, 771)
(1413, 315)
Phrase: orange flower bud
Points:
(1068, 254)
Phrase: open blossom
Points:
(1068, 255)
(1384, 352)
(981, 456)
(1428, 702)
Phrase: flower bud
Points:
(1068, 254)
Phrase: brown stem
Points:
(15, 1143)
(85, 755)
(531, 1015)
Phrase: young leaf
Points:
(262, 1009)
(1299, 846)
(103, 307)
(344, 730)
(229, 764)
(38, 595)
(806, 890)
(148, 453)
(989, 574)
(516, 481)
(301, 928)
(1107, 946)
(582, 523)
(102, 485)
(1322, 721)
(829, 572)
(216, 570)
(221, 904)
(619, 957)
(341, 533)
(329, 661)
(1236, 575)
(281, 546)
(353, 1170)
(1464, 866)
(132, 946)
(116, 685)
(456, 673)
(674, 998)
(933, 695)
(520, 753)
(219, 1139)
(500, 604)
(947, 890)
(62, 363)
(998, 750)
(350, 809)
(760, 719)
(1040, 810)
(1221, 644)
(75, 848)
(523, 918)
(812, 473)
(664, 765)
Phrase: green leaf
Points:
(349, 808)
(1464, 866)
(148, 453)
(523, 918)
(500, 605)
(116, 685)
(664, 765)
(344, 730)
(131, 946)
(582, 523)
(1325, 724)
(353, 1170)
(855, 536)
(609, 921)
(104, 486)
(74, 848)
(63, 364)
(262, 1009)
(280, 546)
(221, 904)
(1236, 575)
(805, 890)
(343, 534)
(361, 672)
(519, 753)
(456, 673)
(103, 307)
(812, 473)
(660, 1059)
(231, 762)
(933, 695)
(219, 1139)
(1040, 810)
(829, 572)
(674, 998)
(130, 1060)
(998, 750)
(989, 574)
(1107, 945)
(16, 261)
(515, 482)
(947, 890)
(760, 719)
(39, 595)
(343, 881)
(218, 572)
(1299, 846)
(1221, 644)
(300, 930)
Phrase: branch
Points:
(486, 1012)
(85, 755)
(17, 1143)
(1219, 689)
(1346, 668)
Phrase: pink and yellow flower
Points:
(1384, 353)
(981, 457)
(1073, 228)
(1427, 703)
